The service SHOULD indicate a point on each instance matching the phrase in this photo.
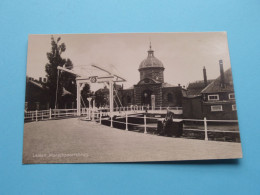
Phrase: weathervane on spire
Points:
(150, 51)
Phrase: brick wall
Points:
(226, 114)
(152, 73)
(175, 93)
(155, 89)
(192, 108)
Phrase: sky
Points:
(183, 54)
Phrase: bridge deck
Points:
(76, 141)
(129, 112)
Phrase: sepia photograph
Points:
(129, 97)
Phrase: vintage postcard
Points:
(129, 97)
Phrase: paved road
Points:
(76, 141)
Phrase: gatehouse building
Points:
(152, 90)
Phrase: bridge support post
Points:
(206, 129)
(145, 130)
(126, 122)
(93, 114)
(50, 114)
(100, 117)
(78, 98)
(111, 119)
(89, 108)
(111, 97)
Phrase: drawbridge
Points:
(92, 75)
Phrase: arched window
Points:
(128, 99)
(169, 97)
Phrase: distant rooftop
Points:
(215, 87)
(196, 87)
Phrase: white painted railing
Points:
(38, 115)
(102, 114)
(139, 108)
(145, 125)
(206, 130)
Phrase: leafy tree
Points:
(55, 60)
(65, 80)
(101, 97)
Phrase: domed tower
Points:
(151, 67)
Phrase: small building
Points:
(216, 100)
(151, 89)
(37, 95)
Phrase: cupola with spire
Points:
(151, 67)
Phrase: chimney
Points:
(222, 77)
(179, 85)
(205, 76)
(44, 80)
(40, 79)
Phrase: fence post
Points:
(42, 115)
(160, 108)
(126, 122)
(206, 129)
(50, 114)
(145, 131)
(32, 116)
(111, 117)
(36, 119)
(100, 117)
(93, 115)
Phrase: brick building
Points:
(214, 100)
(151, 89)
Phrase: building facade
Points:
(216, 100)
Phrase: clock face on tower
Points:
(157, 76)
